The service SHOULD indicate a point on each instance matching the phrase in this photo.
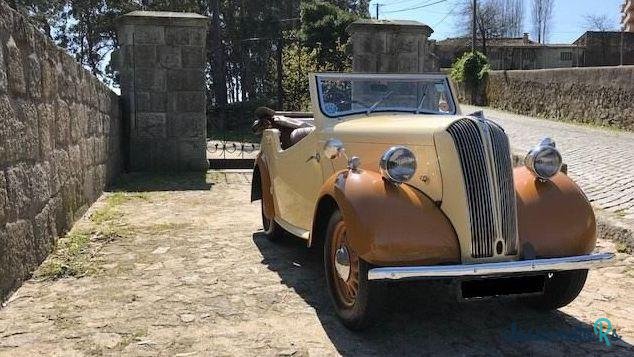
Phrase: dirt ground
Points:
(178, 266)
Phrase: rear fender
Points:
(261, 187)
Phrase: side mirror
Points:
(333, 149)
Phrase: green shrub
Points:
(470, 69)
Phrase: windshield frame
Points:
(319, 77)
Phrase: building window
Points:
(565, 56)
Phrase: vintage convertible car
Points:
(395, 183)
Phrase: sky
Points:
(568, 15)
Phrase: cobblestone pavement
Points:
(600, 160)
(191, 274)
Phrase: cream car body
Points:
(461, 212)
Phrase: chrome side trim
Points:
(518, 266)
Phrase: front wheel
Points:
(355, 298)
(560, 289)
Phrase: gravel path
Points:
(191, 274)
(600, 160)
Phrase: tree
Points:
(594, 22)
(542, 11)
(513, 18)
(324, 30)
(494, 19)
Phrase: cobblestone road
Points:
(191, 274)
(600, 160)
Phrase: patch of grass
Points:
(68, 259)
(622, 247)
(160, 228)
(72, 256)
(110, 212)
(620, 213)
(128, 338)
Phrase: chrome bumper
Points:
(484, 269)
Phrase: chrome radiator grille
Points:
(485, 159)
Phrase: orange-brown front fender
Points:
(554, 217)
(389, 225)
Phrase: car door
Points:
(296, 177)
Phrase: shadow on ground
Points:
(426, 318)
(148, 182)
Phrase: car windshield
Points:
(340, 95)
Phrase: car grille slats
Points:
(482, 177)
(504, 166)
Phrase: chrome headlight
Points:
(544, 160)
(398, 164)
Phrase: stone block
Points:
(89, 183)
(46, 125)
(193, 57)
(3, 72)
(62, 124)
(7, 123)
(18, 257)
(398, 44)
(74, 155)
(34, 76)
(185, 36)
(151, 125)
(3, 200)
(18, 192)
(125, 57)
(185, 80)
(193, 155)
(145, 56)
(39, 185)
(49, 79)
(187, 125)
(45, 232)
(151, 101)
(17, 83)
(78, 118)
(188, 102)
(148, 35)
(61, 166)
(365, 64)
(58, 216)
(105, 103)
(28, 137)
(150, 79)
(169, 56)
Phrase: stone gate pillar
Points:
(391, 46)
(162, 64)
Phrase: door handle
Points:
(316, 157)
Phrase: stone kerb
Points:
(162, 66)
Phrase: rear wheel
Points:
(272, 230)
(355, 299)
(560, 289)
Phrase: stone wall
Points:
(592, 95)
(59, 145)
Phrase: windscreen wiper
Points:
(376, 104)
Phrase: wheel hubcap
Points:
(345, 267)
(342, 263)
